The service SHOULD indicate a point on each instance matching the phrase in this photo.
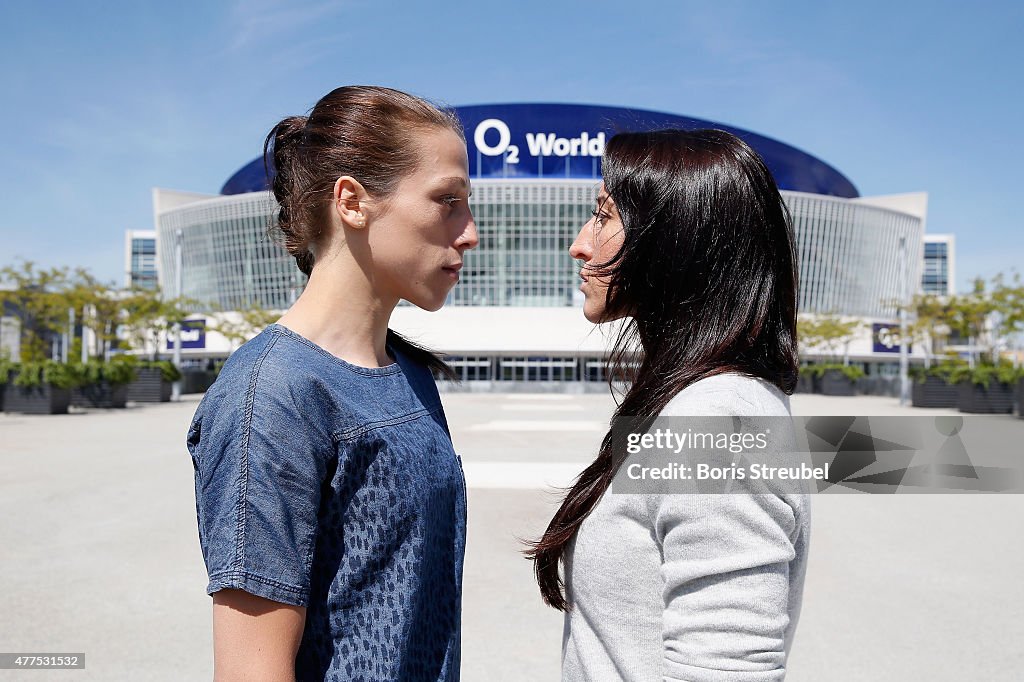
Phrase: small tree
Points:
(1008, 300)
(807, 332)
(969, 316)
(828, 331)
(142, 317)
(147, 318)
(928, 323)
(98, 307)
(240, 327)
(36, 297)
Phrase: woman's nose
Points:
(580, 248)
(469, 239)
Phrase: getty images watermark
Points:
(780, 455)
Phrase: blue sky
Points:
(103, 101)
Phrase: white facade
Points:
(230, 259)
(518, 299)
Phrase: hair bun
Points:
(280, 149)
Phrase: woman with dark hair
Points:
(692, 248)
(331, 504)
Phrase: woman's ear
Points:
(350, 200)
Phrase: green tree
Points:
(807, 332)
(147, 318)
(929, 323)
(97, 307)
(969, 316)
(829, 331)
(36, 297)
(239, 327)
(1008, 300)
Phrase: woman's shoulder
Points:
(266, 384)
(278, 357)
(278, 368)
(271, 370)
(263, 357)
(729, 394)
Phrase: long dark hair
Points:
(364, 131)
(707, 281)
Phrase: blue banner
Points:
(193, 335)
(885, 338)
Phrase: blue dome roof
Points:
(249, 178)
(567, 141)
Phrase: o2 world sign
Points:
(568, 140)
(537, 140)
(539, 144)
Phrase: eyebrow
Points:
(456, 179)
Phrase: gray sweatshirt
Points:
(696, 587)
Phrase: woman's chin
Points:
(430, 303)
(592, 315)
(600, 315)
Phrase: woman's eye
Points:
(449, 201)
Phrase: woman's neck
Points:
(340, 312)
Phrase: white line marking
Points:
(521, 475)
(539, 396)
(537, 425)
(542, 407)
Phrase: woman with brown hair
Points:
(691, 246)
(331, 504)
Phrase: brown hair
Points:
(359, 130)
(367, 132)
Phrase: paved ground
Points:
(99, 552)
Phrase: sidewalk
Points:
(101, 552)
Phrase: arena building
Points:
(515, 316)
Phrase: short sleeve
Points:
(725, 572)
(259, 473)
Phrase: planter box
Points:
(834, 382)
(804, 383)
(877, 385)
(149, 386)
(100, 395)
(6, 381)
(193, 381)
(934, 392)
(995, 398)
(36, 400)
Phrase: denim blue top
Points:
(335, 487)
